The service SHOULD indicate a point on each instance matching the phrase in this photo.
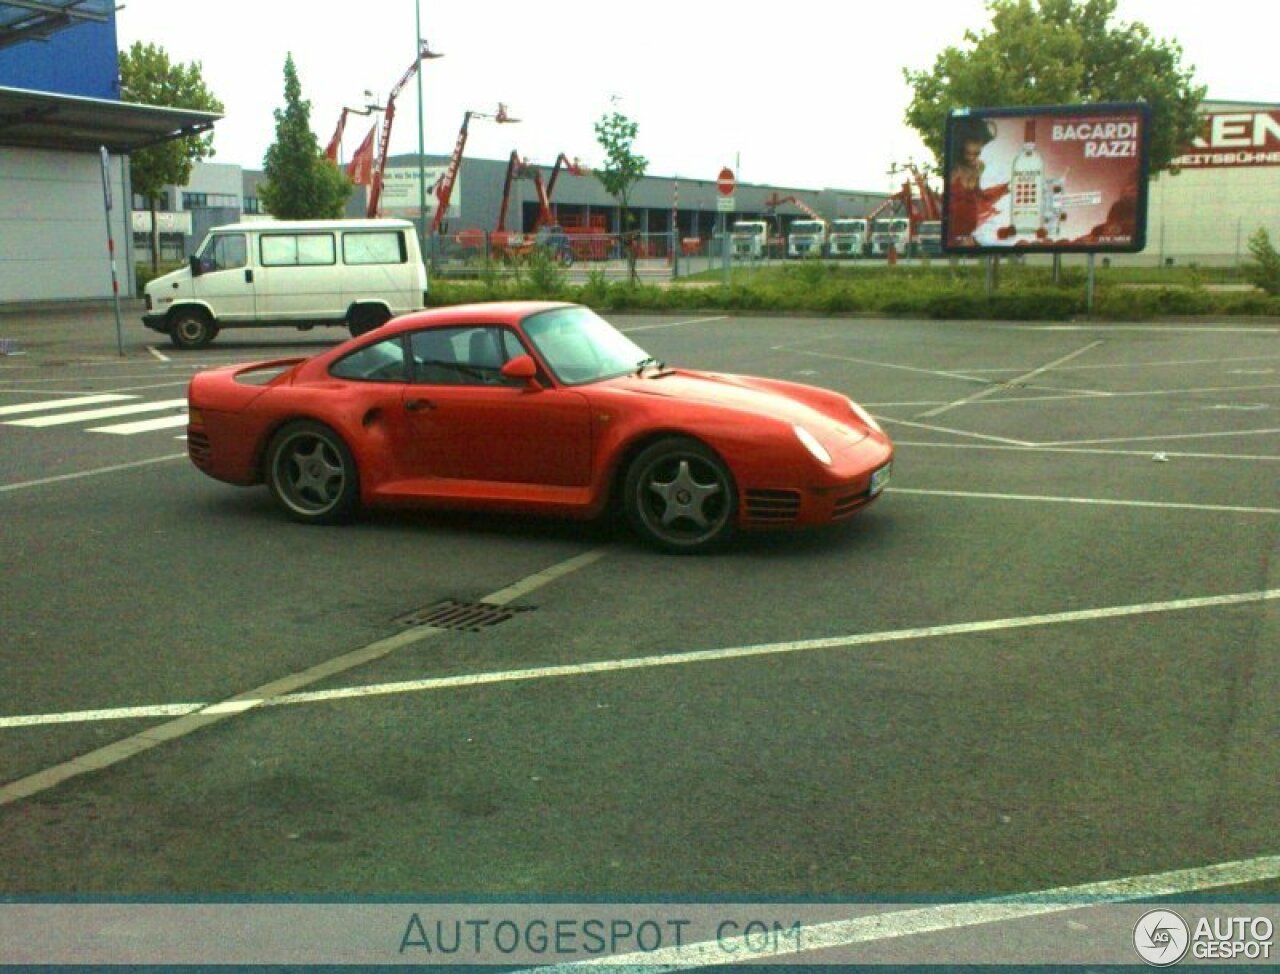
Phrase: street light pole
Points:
(422, 168)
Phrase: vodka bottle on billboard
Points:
(1026, 185)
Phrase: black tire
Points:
(366, 318)
(312, 474)
(680, 497)
(191, 328)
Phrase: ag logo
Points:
(1161, 938)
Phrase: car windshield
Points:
(579, 346)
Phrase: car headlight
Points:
(867, 419)
(812, 445)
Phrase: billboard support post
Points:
(991, 274)
(1088, 289)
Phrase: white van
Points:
(302, 273)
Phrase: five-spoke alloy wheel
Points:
(680, 496)
(312, 473)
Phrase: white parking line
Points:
(1094, 501)
(98, 471)
(1025, 377)
(37, 407)
(940, 917)
(282, 698)
(1088, 451)
(158, 354)
(189, 721)
(63, 419)
(674, 324)
(143, 425)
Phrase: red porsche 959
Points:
(535, 407)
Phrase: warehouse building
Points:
(64, 138)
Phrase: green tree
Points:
(148, 77)
(622, 169)
(1059, 52)
(301, 184)
(1264, 268)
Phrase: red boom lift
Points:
(444, 187)
(384, 137)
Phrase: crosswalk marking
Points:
(35, 407)
(61, 419)
(142, 425)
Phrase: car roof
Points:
(488, 312)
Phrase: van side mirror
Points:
(522, 368)
(196, 268)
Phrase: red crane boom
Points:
(444, 188)
(384, 138)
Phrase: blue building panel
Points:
(80, 60)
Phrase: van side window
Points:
(297, 249)
(226, 251)
(379, 247)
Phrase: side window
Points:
(381, 362)
(226, 251)
(297, 249)
(377, 247)
(463, 356)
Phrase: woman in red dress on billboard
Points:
(969, 204)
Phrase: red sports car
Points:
(535, 407)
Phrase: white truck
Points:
(895, 232)
(848, 238)
(299, 273)
(749, 239)
(928, 242)
(807, 238)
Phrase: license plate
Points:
(879, 479)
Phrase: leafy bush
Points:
(1264, 269)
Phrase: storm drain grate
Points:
(461, 616)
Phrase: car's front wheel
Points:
(680, 496)
(312, 474)
(192, 329)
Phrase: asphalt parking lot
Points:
(1046, 657)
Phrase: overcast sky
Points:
(806, 94)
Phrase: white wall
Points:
(1207, 215)
(53, 231)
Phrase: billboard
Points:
(1230, 140)
(1047, 179)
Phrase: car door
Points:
(463, 420)
(225, 280)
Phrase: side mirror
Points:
(196, 269)
(522, 368)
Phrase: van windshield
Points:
(223, 251)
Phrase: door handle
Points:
(248, 276)
(418, 405)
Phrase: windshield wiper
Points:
(647, 361)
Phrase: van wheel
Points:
(365, 319)
(191, 329)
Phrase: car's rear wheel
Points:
(680, 496)
(192, 328)
(312, 474)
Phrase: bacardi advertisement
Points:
(1052, 180)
